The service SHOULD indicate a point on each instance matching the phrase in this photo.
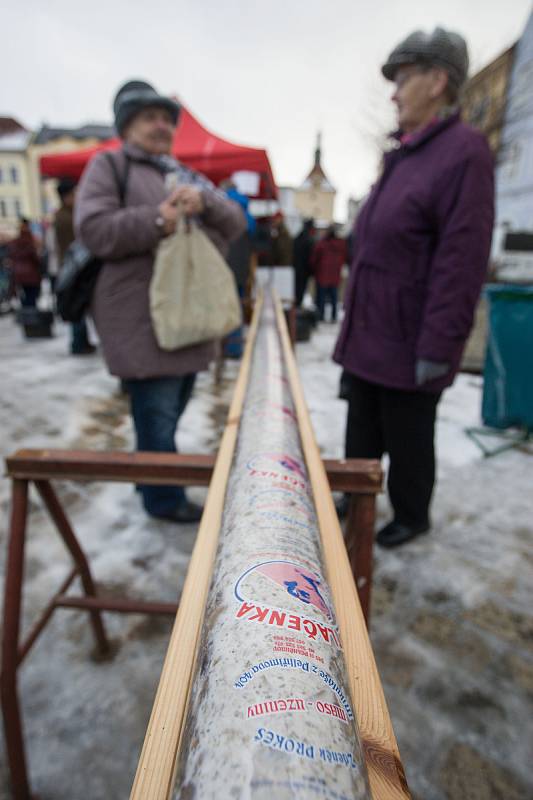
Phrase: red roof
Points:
(193, 145)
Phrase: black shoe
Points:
(394, 534)
(86, 350)
(186, 512)
(342, 506)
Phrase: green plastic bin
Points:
(508, 376)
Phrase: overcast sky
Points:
(268, 74)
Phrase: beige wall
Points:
(315, 203)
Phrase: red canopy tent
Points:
(193, 145)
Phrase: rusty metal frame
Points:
(362, 478)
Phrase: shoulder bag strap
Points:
(121, 180)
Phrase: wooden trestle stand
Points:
(361, 478)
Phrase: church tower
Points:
(315, 197)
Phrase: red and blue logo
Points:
(298, 582)
(267, 461)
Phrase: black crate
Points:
(304, 327)
(310, 316)
(36, 324)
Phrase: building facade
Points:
(498, 100)
(14, 175)
(514, 176)
(485, 95)
(22, 191)
(58, 140)
(513, 238)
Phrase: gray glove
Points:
(429, 370)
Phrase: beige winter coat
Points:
(126, 238)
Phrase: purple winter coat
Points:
(422, 243)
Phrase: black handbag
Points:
(76, 281)
(79, 272)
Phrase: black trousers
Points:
(402, 424)
(301, 279)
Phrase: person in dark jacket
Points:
(64, 236)
(422, 243)
(25, 264)
(327, 259)
(302, 249)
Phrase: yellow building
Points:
(484, 97)
(22, 191)
(316, 196)
(43, 197)
(15, 180)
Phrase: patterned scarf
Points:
(177, 174)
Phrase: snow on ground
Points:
(451, 615)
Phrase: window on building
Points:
(14, 173)
(1, 175)
(3, 208)
(18, 208)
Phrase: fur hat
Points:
(134, 97)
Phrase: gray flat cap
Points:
(441, 48)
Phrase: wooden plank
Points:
(385, 770)
(117, 605)
(155, 772)
(359, 540)
(91, 465)
(353, 475)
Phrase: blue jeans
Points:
(156, 406)
(233, 344)
(326, 294)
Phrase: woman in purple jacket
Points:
(422, 243)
